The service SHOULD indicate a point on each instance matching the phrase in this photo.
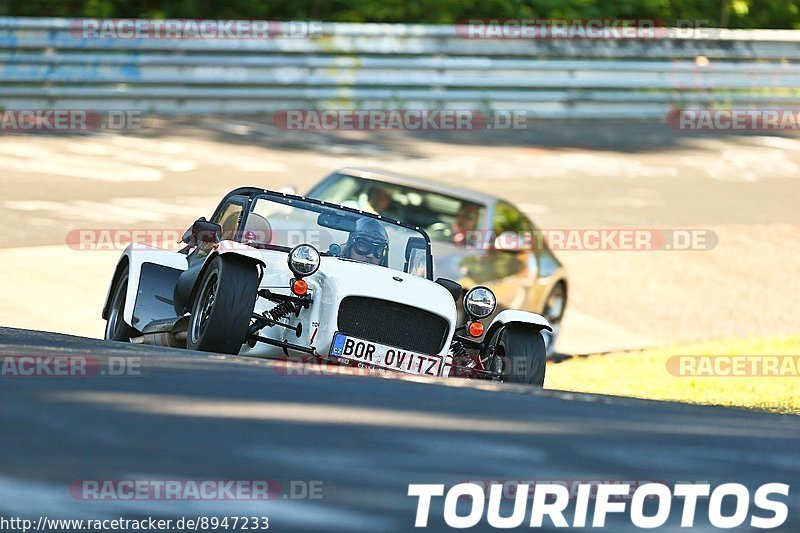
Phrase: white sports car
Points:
(277, 275)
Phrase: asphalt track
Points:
(362, 439)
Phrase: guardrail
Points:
(378, 66)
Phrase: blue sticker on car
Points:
(337, 347)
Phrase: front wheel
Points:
(223, 306)
(521, 354)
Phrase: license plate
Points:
(351, 350)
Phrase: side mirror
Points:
(202, 231)
(453, 287)
(510, 241)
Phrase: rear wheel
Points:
(223, 306)
(521, 354)
(116, 327)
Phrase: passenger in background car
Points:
(465, 221)
(381, 203)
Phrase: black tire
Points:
(223, 306)
(116, 327)
(520, 350)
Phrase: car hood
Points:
(344, 277)
(337, 278)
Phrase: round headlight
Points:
(479, 302)
(303, 260)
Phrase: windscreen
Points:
(444, 218)
(283, 223)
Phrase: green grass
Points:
(645, 374)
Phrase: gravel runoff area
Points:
(742, 190)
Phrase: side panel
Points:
(155, 295)
(140, 255)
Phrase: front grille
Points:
(393, 324)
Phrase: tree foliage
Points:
(726, 13)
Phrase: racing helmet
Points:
(368, 238)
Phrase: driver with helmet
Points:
(368, 243)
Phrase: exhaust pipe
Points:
(169, 332)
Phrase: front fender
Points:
(229, 250)
(512, 316)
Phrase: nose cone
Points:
(340, 278)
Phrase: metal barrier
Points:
(379, 66)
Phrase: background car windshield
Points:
(284, 222)
(444, 218)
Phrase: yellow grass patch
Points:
(754, 373)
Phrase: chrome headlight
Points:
(303, 260)
(480, 302)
